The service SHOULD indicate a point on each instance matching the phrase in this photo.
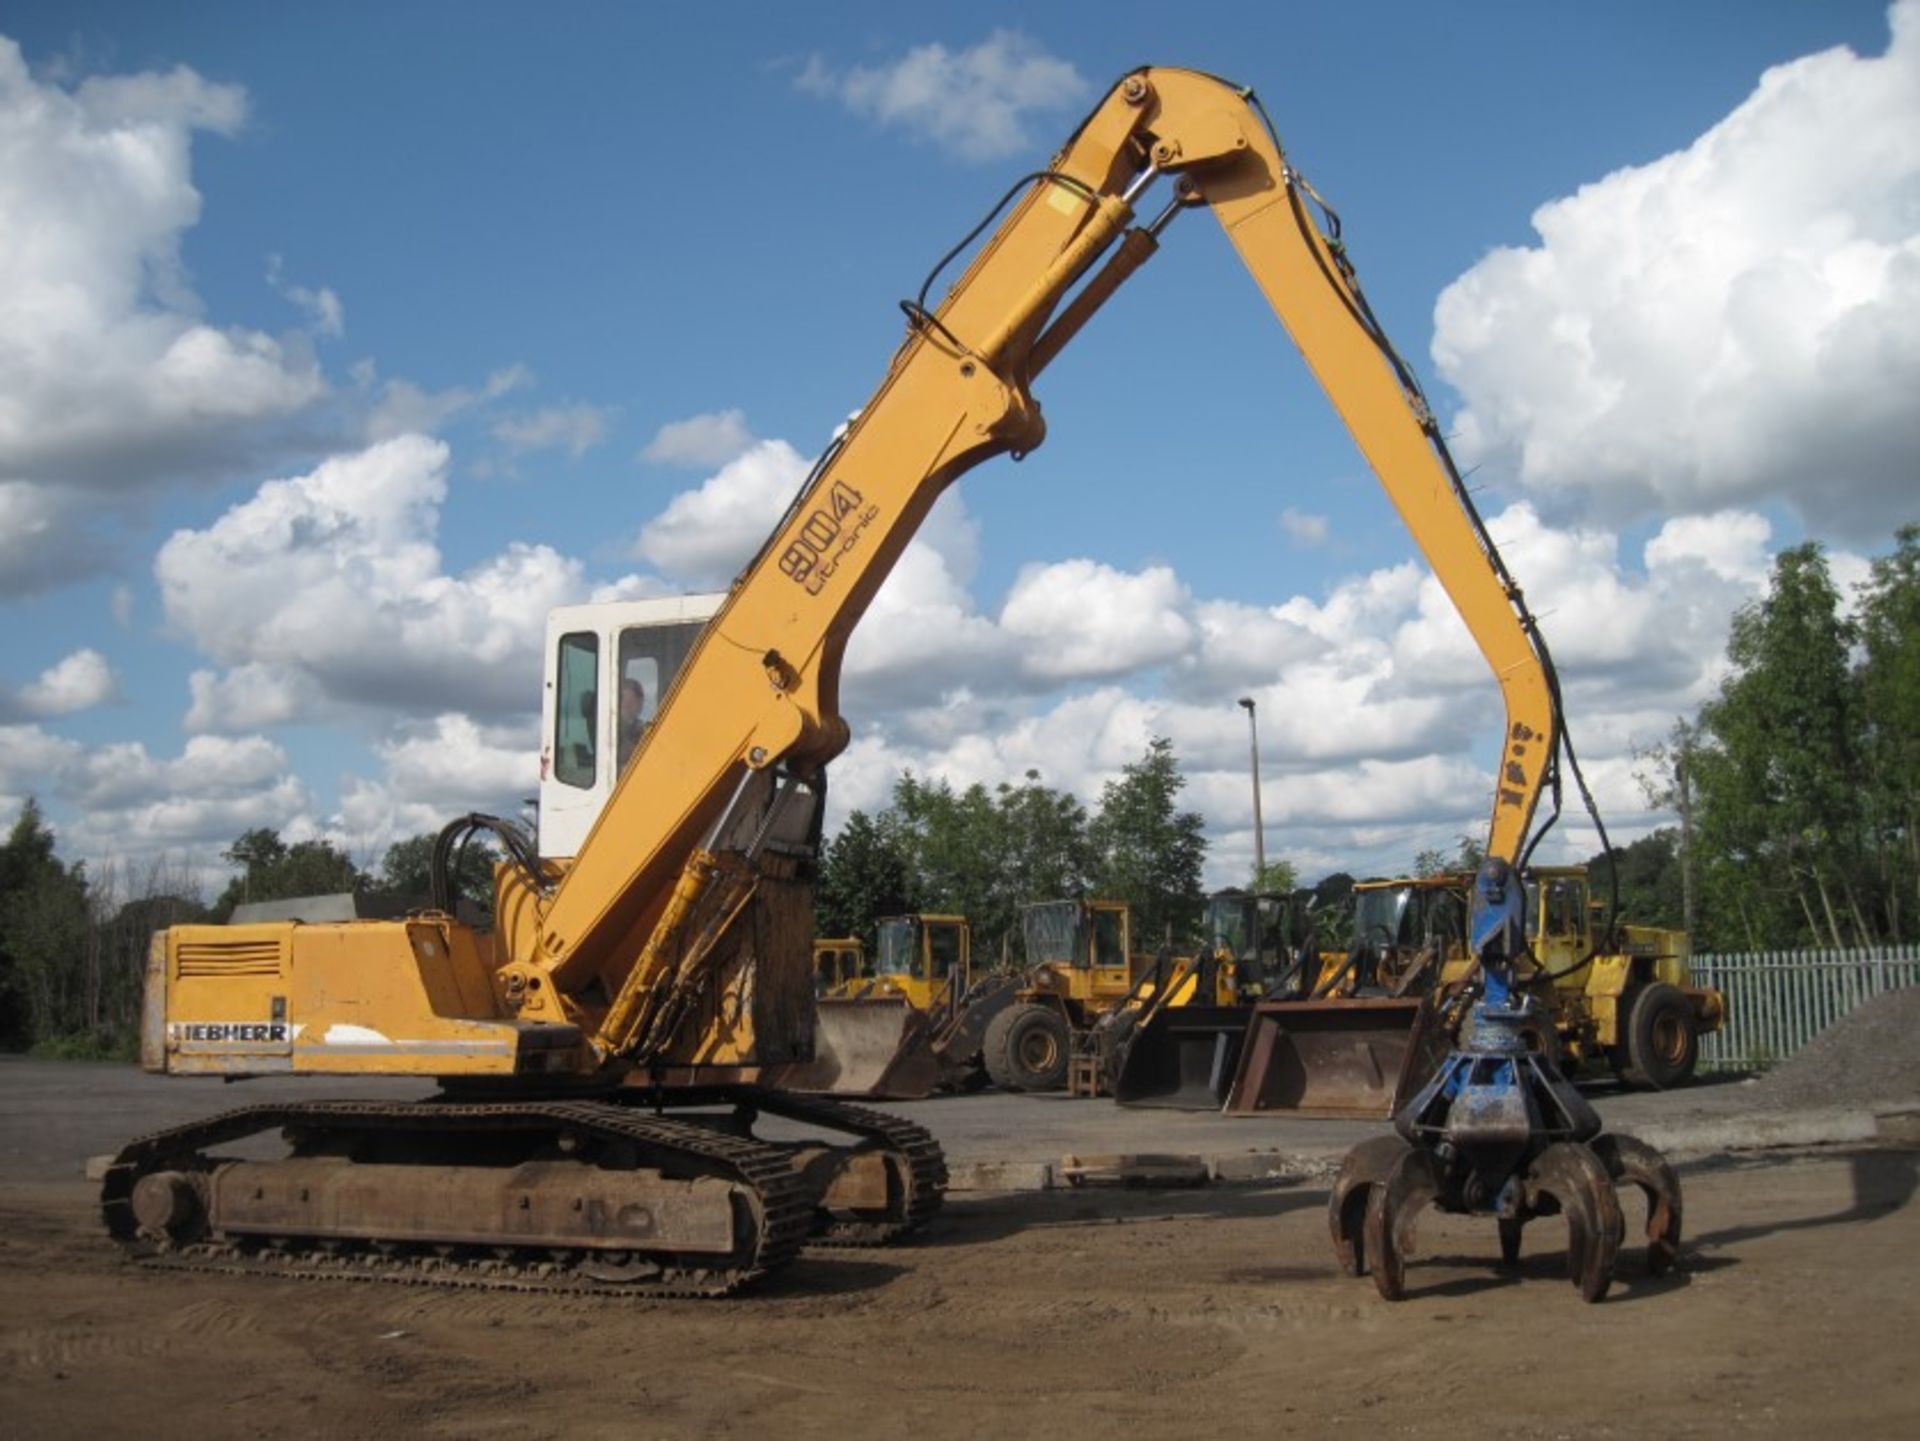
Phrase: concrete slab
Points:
(1134, 1170)
(55, 1115)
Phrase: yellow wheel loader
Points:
(1374, 1023)
(839, 964)
(603, 1051)
(1179, 1047)
(911, 1027)
(1622, 997)
(1080, 966)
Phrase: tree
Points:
(863, 876)
(1650, 880)
(1890, 715)
(1278, 878)
(951, 843)
(1778, 788)
(406, 871)
(43, 932)
(1045, 853)
(1333, 911)
(1151, 854)
(1467, 855)
(273, 870)
(1665, 774)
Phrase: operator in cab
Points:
(633, 705)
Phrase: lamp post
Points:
(1259, 829)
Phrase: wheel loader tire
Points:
(1026, 1048)
(1662, 1047)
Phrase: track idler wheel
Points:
(1634, 1162)
(1366, 1168)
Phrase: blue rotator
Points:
(1499, 1131)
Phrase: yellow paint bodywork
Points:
(406, 997)
(922, 984)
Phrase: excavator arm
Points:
(759, 698)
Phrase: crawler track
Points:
(784, 1208)
(926, 1165)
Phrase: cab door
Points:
(1560, 937)
(594, 653)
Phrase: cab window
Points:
(575, 710)
(1107, 949)
(944, 943)
(647, 660)
(898, 951)
(1564, 901)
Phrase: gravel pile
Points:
(1871, 1055)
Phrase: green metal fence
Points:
(1777, 1001)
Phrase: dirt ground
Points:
(1045, 1314)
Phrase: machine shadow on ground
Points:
(989, 1217)
(1883, 1183)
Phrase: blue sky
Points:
(539, 236)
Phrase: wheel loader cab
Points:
(1559, 918)
(1087, 946)
(1402, 931)
(839, 963)
(594, 653)
(924, 957)
(1252, 940)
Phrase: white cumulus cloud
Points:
(1081, 620)
(122, 801)
(80, 682)
(111, 382)
(336, 576)
(709, 439)
(705, 535)
(1734, 323)
(974, 102)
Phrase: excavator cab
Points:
(595, 654)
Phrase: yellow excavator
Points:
(605, 1051)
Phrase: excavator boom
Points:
(761, 691)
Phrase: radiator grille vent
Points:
(228, 959)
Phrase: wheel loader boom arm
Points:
(760, 694)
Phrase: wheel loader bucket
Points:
(1182, 1058)
(1355, 1057)
(878, 1048)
